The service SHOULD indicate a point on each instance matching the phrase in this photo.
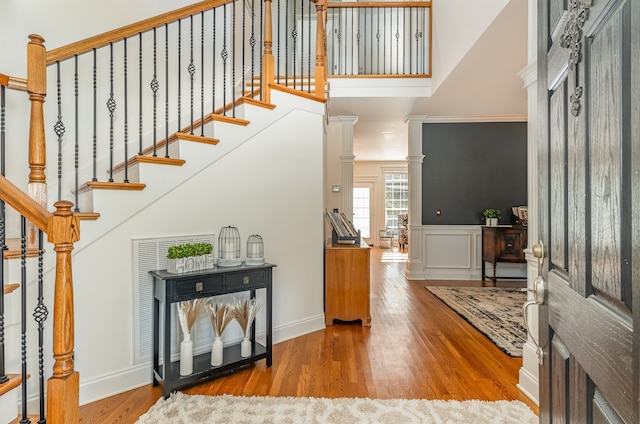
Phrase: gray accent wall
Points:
(472, 166)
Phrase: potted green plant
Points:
(491, 217)
(190, 257)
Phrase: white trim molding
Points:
(454, 252)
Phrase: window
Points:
(362, 210)
(396, 198)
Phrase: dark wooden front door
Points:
(589, 215)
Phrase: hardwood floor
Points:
(416, 347)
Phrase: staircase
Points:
(172, 125)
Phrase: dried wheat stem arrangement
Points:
(220, 314)
(245, 312)
(188, 313)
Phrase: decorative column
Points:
(346, 159)
(528, 381)
(415, 262)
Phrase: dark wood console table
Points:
(503, 244)
(171, 288)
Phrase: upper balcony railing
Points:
(387, 39)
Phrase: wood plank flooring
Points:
(416, 347)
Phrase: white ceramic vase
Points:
(216, 352)
(186, 355)
(245, 347)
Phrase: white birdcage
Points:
(229, 247)
(255, 250)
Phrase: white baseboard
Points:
(299, 328)
(451, 274)
(528, 376)
(140, 375)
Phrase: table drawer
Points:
(197, 287)
(246, 280)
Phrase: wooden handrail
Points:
(396, 5)
(14, 83)
(24, 204)
(83, 46)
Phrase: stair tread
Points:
(8, 288)
(14, 249)
(197, 138)
(112, 185)
(159, 160)
(14, 381)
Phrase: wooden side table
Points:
(347, 282)
(504, 243)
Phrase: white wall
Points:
(272, 185)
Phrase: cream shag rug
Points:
(181, 408)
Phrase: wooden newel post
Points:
(63, 388)
(37, 89)
(268, 72)
(320, 48)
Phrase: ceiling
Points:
(485, 83)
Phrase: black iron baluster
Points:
(111, 106)
(233, 60)
(40, 314)
(286, 44)
(192, 70)
(154, 89)
(23, 316)
(126, 116)
(76, 153)
(362, 65)
(294, 37)
(411, 15)
(397, 41)
(140, 119)
(252, 42)
(59, 130)
(225, 54)
(354, 58)
(166, 90)
(278, 50)
(341, 71)
(95, 115)
(378, 42)
(309, 46)
(244, 41)
(357, 71)
(213, 56)
(179, 67)
(425, 46)
(201, 75)
(3, 372)
(308, 49)
(261, 48)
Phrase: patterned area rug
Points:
(495, 311)
(181, 408)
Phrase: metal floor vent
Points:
(150, 254)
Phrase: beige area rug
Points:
(494, 311)
(181, 408)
